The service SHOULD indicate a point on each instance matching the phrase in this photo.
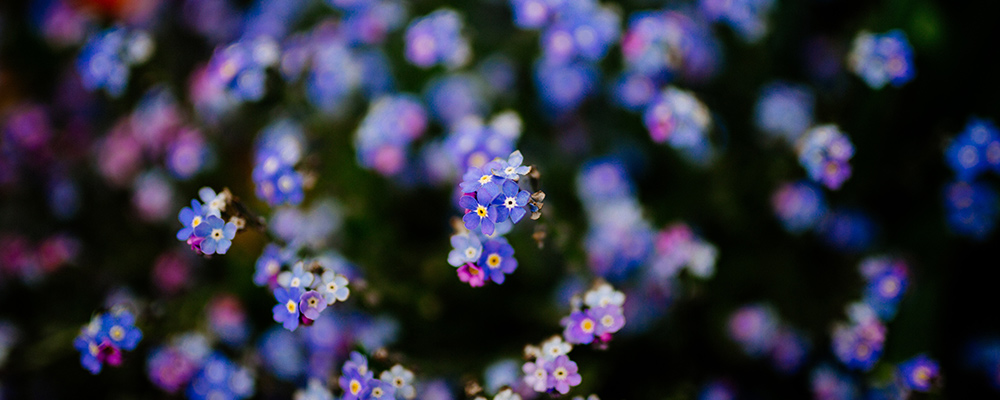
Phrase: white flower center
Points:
(377, 393)
(560, 373)
(216, 234)
(295, 282)
(509, 170)
(470, 252)
(286, 184)
(117, 333)
(607, 321)
(510, 202)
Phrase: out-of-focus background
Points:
(789, 144)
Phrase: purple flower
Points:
(287, 310)
(609, 319)
(580, 328)
(498, 259)
(311, 304)
(919, 373)
(437, 39)
(510, 202)
(472, 274)
(191, 217)
(480, 211)
(536, 375)
(217, 233)
(562, 374)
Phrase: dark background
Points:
(400, 236)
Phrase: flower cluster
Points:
(239, 70)
(204, 229)
(369, 22)
(887, 279)
(384, 136)
(759, 331)
(106, 59)
(920, 373)
(678, 247)
(304, 293)
(971, 204)
(278, 149)
(678, 118)
(359, 383)
(784, 110)
(882, 58)
(437, 39)
(824, 152)
(858, 344)
(575, 36)
(602, 316)
(472, 142)
(659, 45)
(105, 337)
(493, 201)
(221, 378)
(30, 261)
(746, 17)
(549, 368)
(800, 206)
(172, 366)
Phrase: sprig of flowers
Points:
(303, 293)
(601, 316)
(105, 337)
(493, 201)
(211, 225)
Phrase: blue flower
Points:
(334, 287)
(214, 203)
(220, 378)
(298, 277)
(283, 186)
(378, 390)
(481, 211)
(118, 327)
(356, 377)
(467, 249)
(476, 178)
(268, 265)
(919, 373)
(218, 235)
(497, 259)
(287, 310)
(511, 168)
(191, 217)
(511, 202)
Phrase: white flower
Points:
(507, 394)
(602, 296)
(401, 379)
(555, 347)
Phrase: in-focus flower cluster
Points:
(678, 118)
(106, 59)
(359, 382)
(304, 293)
(760, 332)
(881, 59)
(205, 229)
(493, 201)
(824, 151)
(972, 205)
(549, 368)
(105, 337)
(602, 315)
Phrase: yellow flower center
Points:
(196, 221)
(922, 374)
(291, 306)
(117, 333)
(862, 350)
(473, 271)
(889, 286)
(481, 211)
(485, 179)
(93, 349)
(355, 386)
(587, 325)
(493, 261)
